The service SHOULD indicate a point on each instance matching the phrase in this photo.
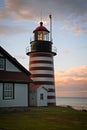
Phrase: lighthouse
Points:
(41, 63)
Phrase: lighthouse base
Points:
(40, 96)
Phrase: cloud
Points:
(31, 9)
(78, 29)
(75, 23)
(74, 72)
(11, 30)
(71, 14)
(73, 80)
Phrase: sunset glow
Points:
(72, 82)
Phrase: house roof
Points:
(14, 61)
(17, 77)
(7, 76)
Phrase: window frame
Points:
(8, 91)
(41, 96)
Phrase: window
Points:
(2, 63)
(41, 96)
(8, 91)
(40, 36)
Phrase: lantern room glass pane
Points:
(42, 35)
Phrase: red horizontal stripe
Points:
(40, 55)
(50, 97)
(42, 75)
(51, 90)
(41, 61)
(41, 68)
(44, 82)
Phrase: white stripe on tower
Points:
(42, 70)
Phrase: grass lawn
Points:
(44, 118)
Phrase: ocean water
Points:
(75, 102)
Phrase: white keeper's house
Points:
(14, 82)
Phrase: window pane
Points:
(41, 96)
(2, 63)
(10, 94)
(8, 91)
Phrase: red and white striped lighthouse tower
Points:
(41, 61)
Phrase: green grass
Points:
(44, 118)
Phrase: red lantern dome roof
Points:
(40, 28)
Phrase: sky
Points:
(18, 19)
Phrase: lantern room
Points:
(41, 33)
(41, 41)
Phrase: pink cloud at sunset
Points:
(72, 82)
(71, 14)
